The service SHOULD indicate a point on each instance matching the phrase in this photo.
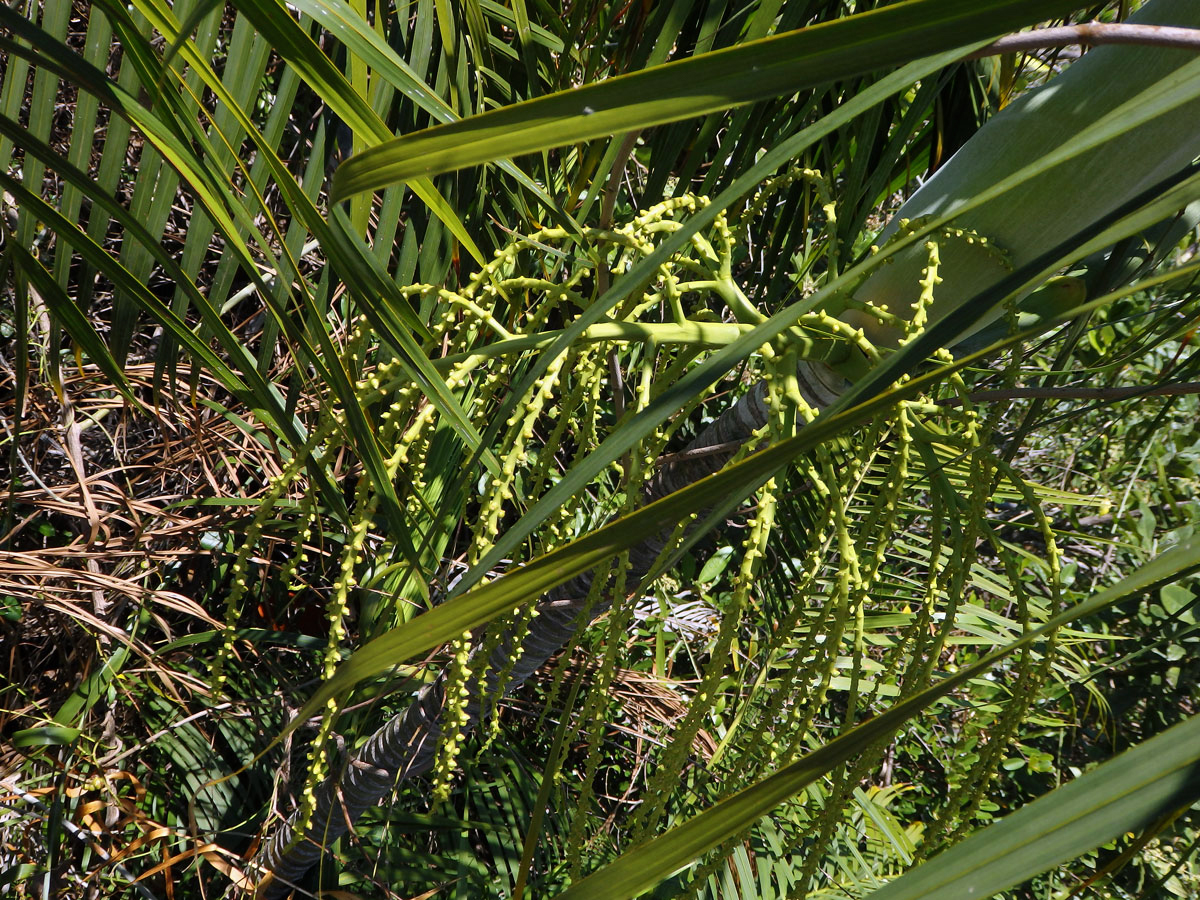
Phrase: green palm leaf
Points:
(712, 81)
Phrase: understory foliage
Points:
(259, 440)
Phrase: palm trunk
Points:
(407, 745)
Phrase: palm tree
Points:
(1012, 143)
(500, 418)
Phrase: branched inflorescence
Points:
(884, 521)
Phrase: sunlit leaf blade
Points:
(45, 736)
(299, 49)
(384, 62)
(707, 83)
(1123, 795)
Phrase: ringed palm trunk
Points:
(1061, 202)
